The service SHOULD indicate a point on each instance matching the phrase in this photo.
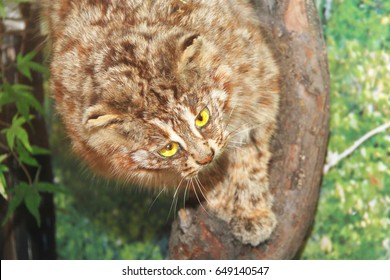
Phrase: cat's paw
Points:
(254, 227)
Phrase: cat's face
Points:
(165, 117)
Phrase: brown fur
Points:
(130, 76)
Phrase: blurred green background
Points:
(105, 221)
(353, 218)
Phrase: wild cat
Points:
(171, 94)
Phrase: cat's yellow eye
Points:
(203, 118)
(169, 150)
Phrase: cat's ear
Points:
(190, 46)
(96, 117)
(190, 42)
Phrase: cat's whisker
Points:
(170, 209)
(185, 194)
(154, 201)
(175, 197)
(233, 147)
(201, 188)
(197, 197)
(230, 146)
(237, 142)
(230, 116)
(237, 132)
(219, 168)
(176, 201)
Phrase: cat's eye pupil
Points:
(170, 150)
(202, 118)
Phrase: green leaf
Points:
(3, 186)
(39, 68)
(28, 194)
(22, 63)
(16, 200)
(6, 95)
(26, 58)
(13, 204)
(3, 182)
(22, 135)
(22, 96)
(29, 99)
(3, 157)
(3, 168)
(50, 188)
(25, 71)
(10, 135)
(23, 108)
(25, 64)
(32, 200)
(16, 131)
(25, 157)
(39, 150)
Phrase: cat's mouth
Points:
(202, 167)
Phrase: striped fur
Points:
(130, 76)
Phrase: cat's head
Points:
(158, 112)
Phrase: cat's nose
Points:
(207, 159)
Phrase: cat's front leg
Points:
(253, 223)
(244, 199)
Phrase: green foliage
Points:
(353, 219)
(3, 169)
(82, 237)
(16, 133)
(2, 9)
(29, 194)
(360, 21)
(25, 65)
(17, 144)
(21, 96)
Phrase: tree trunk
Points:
(299, 145)
(21, 238)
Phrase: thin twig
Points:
(5, 123)
(334, 160)
(24, 168)
(3, 146)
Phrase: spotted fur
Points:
(130, 76)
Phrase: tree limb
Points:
(336, 158)
(298, 148)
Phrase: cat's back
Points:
(90, 36)
(94, 19)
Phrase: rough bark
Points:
(21, 238)
(299, 145)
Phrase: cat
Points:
(171, 94)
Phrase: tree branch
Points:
(298, 148)
(336, 158)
